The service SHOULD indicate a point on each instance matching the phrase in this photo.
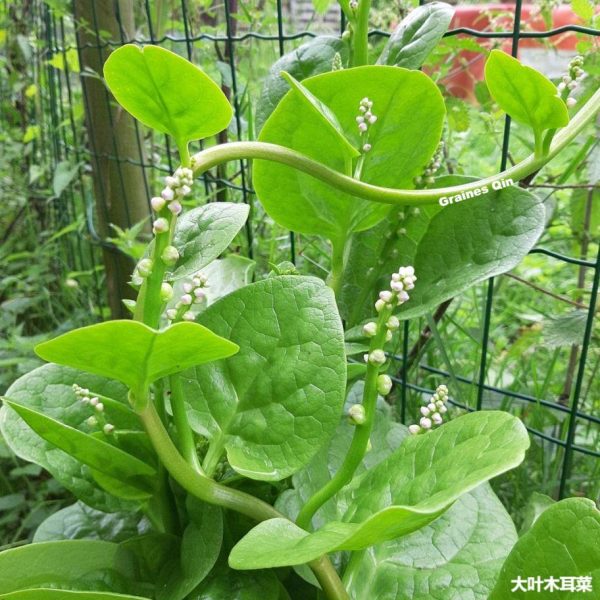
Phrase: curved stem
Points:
(360, 440)
(216, 155)
(184, 431)
(212, 492)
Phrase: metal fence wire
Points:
(224, 39)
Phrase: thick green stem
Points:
(337, 266)
(360, 39)
(185, 435)
(210, 491)
(362, 433)
(258, 150)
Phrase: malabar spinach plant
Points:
(221, 443)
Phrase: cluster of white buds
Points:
(193, 293)
(336, 63)
(365, 119)
(569, 82)
(401, 283)
(431, 414)
(432, 168)
(92, 400)
(177, 187)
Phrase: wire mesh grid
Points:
(231, 41)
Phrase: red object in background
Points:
(468, 66)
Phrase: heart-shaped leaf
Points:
(311, 58)
(410, 112)
(48, 389)
(274, 404)
(204, 233)
(451, 249)
(166, 92)
(525, 94)
(134, 353)
(562, 546)
(96, 453)
(457, 556)
(405, 492)
(417, 35)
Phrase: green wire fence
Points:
(223, 40)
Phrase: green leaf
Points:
(328, 118)
(405, 492)
(226, 275)
(457, 556)
(64, 173)
(525, 94)
(583, 9)
(274, 404)
(200, 548)
(95, 453)
(496, 231)
(204, 233)
(585, 211)
(563, 542)
(167, 92)
(48, 388)
(311, 58)
(48, 594)
(71, 564)
(410, 113)
(417, 35)
(224, 584)
(564, 330)
(133, 353)
(535, 506)
(79, 521)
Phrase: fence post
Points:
(113, 138)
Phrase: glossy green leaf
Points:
(274, 404)
(200, 548)
(79, 521)
(410, 113)
(204, 233)
(417, 35)
(525, 94)
(49, 594)
(226, 275)
(536, 505)
(224, 584)
(133, 353)
(48, 388)
(72, 564)
(457, 556)
(96, 453)
(311, 58)
(451, 248)
(405, 492)
(166, 92)
(563, 542)
(322, 111)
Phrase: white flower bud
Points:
(393, 323)
(366, 147)
(171, 314)
(168, 194)
(360, 119)
(161, 225)
(384, 384)
(71, 283)
(144, 267)
(189, 316)
(92, 421)
(386, 296)
(99, 407)
(403, 297)
(561, 87)
(188, 287)
(424, 411)
(94, 401)
(170, 255)
(437, 418)
(414, 429)
(166, 291)
(171, 181)
(362, 127)
(380, 305)
(372, 119)
(388, 336)
(443, 409)
(425, 423)
(571, 102)
(186, 299)
(157, 203)
(199, 295)
(185, 190)
(108, 429)
(432, 407)
(377, 357)
(175, 207)
(566, 79)
(572, 86)
(396, 286)
(356, 414)
(370, 329)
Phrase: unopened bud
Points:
(166, 291)
(384, 384)
(157, 203)
(377, 357)
(414, 429)
(393, 323)
(161, 225)
(144, 267)
(170, 255)
(357, 415)
(108, 429)
(370, 329)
